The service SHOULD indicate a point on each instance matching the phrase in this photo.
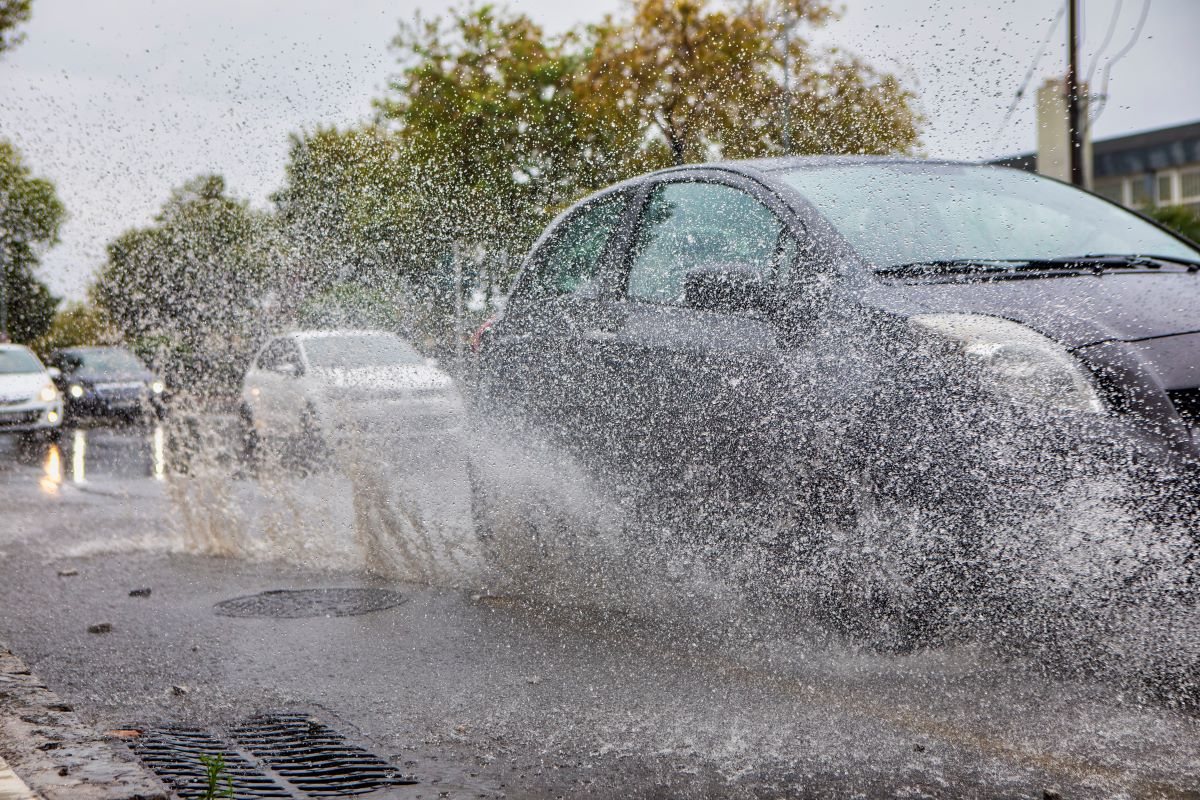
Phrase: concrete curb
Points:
(52, 754)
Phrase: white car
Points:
(29, 401)
(324, 384)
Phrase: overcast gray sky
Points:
(117, 101)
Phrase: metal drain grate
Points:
(315, 758)
(298, 603)
(284, 756)
(174, 755)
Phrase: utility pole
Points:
(3, 291)
(459, 348)
(787, 88)
(1074, 129)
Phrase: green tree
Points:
(503, 125)
(12, 14)
(190, 291)
(1182, 219)
(694, 80)
(486, 111)
(344, 212)
(30, 218)
(77, 323)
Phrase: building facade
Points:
(1153, 168)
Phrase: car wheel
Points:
(313, 449)
(480, 519)
(248, 436)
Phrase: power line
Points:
(1124, 51)
(1112, 28)
(1029, 74)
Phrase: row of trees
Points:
(489, 128)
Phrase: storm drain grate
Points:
(288, 756)
(299, 603)
(174, 755)
(314, 757)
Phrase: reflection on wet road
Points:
(84, 455)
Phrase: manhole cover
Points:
(297, 603)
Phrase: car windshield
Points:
(18, 360)
(110, 361)
(351, 352)
(907, 213)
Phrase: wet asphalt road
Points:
(481, 692)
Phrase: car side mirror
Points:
(728, 287)
(54, 372)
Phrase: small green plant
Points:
(214, 770)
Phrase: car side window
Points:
(569, 262)
(690, 225)
(268, 359)
(289, 356)
(278, 354)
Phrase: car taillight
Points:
(477, 337)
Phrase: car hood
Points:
(401, 376)
(1076, 311)
(112, 377)
(22, 385)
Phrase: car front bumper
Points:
(106, 402)
(393, 418)
(31, 415)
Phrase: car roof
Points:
(761, 166)
(91, 349)
(323, 334)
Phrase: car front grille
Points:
(119, 391)
(1187, 403)
(10, 418)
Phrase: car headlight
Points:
(48, 394)
(76, 391)
(1028, 367)
(157, 387)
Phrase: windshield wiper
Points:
(1090, 262)
(1152, 260)
(953, 266)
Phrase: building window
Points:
(1139, 192)
(1189, 185)
(1113, 190)
(1165, 196)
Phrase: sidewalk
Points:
(12, 787)
(48, 753)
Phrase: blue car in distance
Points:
(107, 382)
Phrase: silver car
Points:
(324, 384)
(29, 401)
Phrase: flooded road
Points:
(485, 689)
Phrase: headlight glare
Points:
(76, 391)
(157, 387)
(1028, 367)
(48, 394)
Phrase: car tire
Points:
(251, 447)
(312, 449)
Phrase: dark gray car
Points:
(106, 382)
(640, 303)
(818, 334)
